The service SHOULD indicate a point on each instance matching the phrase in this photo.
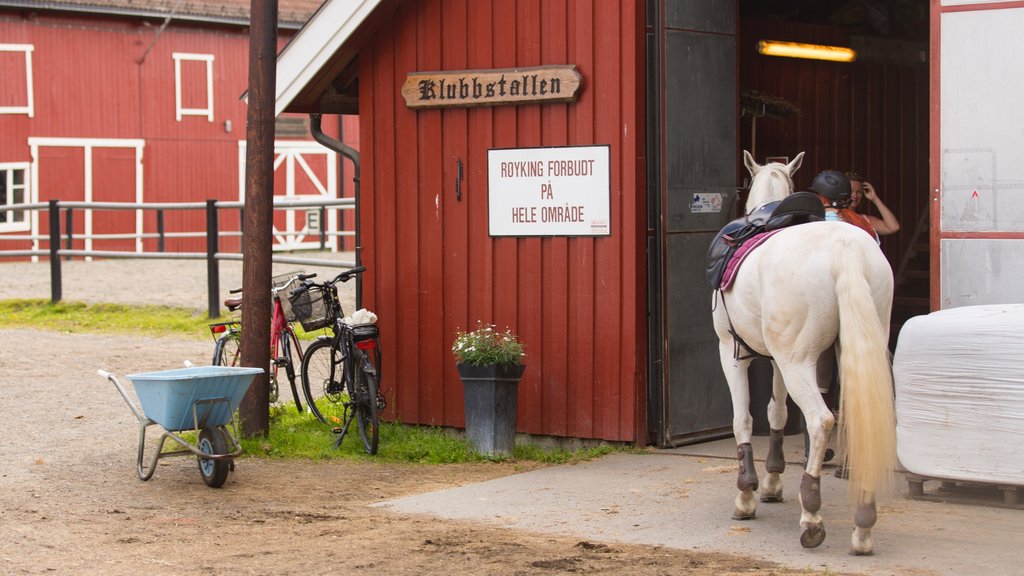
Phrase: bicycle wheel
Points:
(214, 472)
(365, 393)
(323, 378)
(290, 350)
(228, 351)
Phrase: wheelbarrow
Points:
(202, 399)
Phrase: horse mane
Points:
(771, 182)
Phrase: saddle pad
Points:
(741, 253)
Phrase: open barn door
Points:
(692, 115)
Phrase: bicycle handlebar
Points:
(348, 274)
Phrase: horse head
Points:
(771, 182)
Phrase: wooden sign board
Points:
(464, 88)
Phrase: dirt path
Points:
(71, 504)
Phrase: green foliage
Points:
(486, 346)
(294, 435)
(104, 318)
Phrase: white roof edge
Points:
(313, 46)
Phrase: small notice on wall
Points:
(708, 202)
(563, 191)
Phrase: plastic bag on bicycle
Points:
(361, 317)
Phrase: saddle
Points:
(797, 208)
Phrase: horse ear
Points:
(793, 166)
(750, 163)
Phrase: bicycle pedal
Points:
(337, 430)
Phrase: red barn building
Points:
(127, 101)
(615, 317)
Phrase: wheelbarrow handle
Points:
(124, 394)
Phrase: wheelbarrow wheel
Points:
(214, 472)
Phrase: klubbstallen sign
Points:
(497, 87)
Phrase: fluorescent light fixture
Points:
(811, 51)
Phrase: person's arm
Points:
(887, 224)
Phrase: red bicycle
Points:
(285, 350)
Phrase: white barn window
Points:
(16, 79)
(13, 190)
(193, 85)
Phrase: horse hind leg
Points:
(775, 465)
(746, 481)
(862, 543)
(775, 462)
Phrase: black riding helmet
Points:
(834, 186)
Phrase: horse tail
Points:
(867, 420)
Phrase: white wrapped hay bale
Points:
(959, 377)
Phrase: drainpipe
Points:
(353, 155)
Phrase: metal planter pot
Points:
(491, 395)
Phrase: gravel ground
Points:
(167, 282)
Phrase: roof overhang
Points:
(319, 62)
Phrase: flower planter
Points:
(491, 395)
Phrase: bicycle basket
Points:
(307, 307)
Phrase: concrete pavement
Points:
(682, 498)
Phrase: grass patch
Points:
(104, 318)
(294, 435)
(146, 320)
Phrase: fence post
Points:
(212, 267)
(160, 230)
(323, 227)
(69, 226)
(55, 286)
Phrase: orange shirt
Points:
(850, 216)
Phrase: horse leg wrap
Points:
(775, 462)
(747, 477)
(810, 493)
(865, 516)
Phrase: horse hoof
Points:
(742, 516)
(861, 553)
(813, 537)
(767, 498)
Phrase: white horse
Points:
(806, 291)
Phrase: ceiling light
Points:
(811, 51)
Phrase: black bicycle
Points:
(343, 369)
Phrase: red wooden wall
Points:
(91, 81)
(578, 304)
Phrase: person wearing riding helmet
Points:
(833, 187)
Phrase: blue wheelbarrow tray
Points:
(168, 397)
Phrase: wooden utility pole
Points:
(259, 213)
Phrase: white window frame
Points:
(6, 170)
(180, 111)
(28, 109)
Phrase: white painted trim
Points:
(313, 47)
(290, 153)
(29, 107)
(26, 198)
(179, 110)
(93, 142)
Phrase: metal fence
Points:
(212, 233)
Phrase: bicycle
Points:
(344, 368)
(285, 350)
